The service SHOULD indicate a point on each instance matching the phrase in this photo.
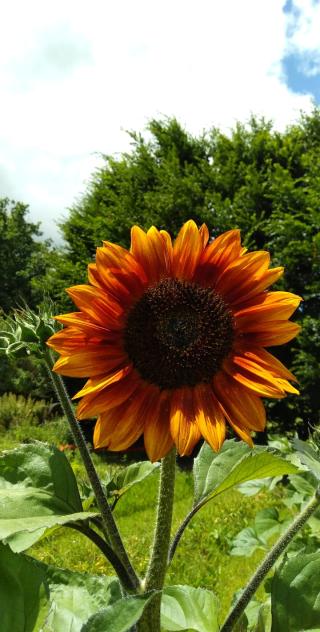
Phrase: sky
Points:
(75, 75)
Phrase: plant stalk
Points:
(150, 620)
(107, 551)
(108, 525)
(181, 529)
(269, 561)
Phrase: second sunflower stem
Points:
(109, 526)
(150, 621)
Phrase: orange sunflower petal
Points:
(72, 340)
(209, 416)
(240, 430)
(222, 251)
(150, 250)
(184, 429)
(169, 247)
(204, 234)
(267, 307)
(95, 303)
(157, 437)
(117, 429)
(83, 322)
(93, 361)
(118, 258)
(271, 334)
(115, 263)
(187, 251)
(94, 276)
(287, 387)
(267, 361)
(120, 427)
(113, 283)
(253, 377)
(242, 275)
(256, 286)
(243, 408)
(112, 395)
(97, 384)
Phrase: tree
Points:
(21, 255)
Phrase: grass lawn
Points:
(202, 558)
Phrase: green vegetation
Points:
(24, 419)
(210, 533)
(22, 256)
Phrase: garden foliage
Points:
(40, 494)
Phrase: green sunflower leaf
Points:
(264, 623)
(251, 488)
(295, 594)
(119, 616)
(122, 481)
(267, 523)
(236, 463)
(188, 608)
(309, 456)
(38, 491)
(35, 597)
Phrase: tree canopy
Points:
(21, 253)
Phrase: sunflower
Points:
(172, 337)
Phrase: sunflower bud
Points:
(26, 332)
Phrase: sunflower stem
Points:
(154, 580)
(181, 530)
(107, 551)
(108, 524)
(269, 561)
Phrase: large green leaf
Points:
(255, 618)
(216, 472)
(309, 456)
(38, 490)
(22, 592)
(264, 622)
(300, 489)
(295, 594)
(251, 488)
(22, 533)
(187, 608)
(122, 480)
(35, 597)
(119, 616)
(266, 524)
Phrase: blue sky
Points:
(297, 68)
(75, 75)
(301, 63)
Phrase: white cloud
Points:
(75, 74)
(305, 26)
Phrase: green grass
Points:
(55, 431)
(202, 558)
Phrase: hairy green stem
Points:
(181, 529)
(150, 621)
(269, 561)
(108, 524)
(107, 551)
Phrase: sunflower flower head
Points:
(172, 338)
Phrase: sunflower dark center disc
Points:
(178, 334)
